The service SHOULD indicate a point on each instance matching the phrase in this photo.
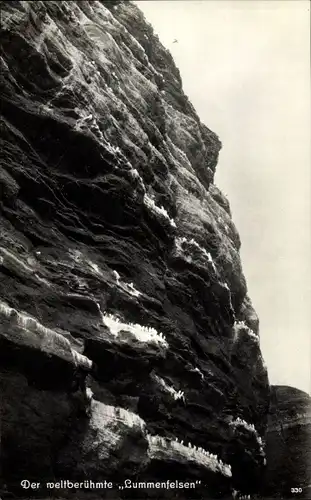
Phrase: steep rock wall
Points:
(288, 444)
(124, 317)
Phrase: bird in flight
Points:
(175, 41)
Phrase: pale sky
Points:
(245, 67)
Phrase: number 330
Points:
(296, 490)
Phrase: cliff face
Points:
(288, 444)
(125, 323)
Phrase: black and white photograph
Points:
(155, 250)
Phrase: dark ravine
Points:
(125, 323)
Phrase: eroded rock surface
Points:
(129, 345)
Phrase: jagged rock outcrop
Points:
(288, 444)
(129, 348)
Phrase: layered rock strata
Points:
(129, 348)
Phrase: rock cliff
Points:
(288, 444)
(129, 348)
